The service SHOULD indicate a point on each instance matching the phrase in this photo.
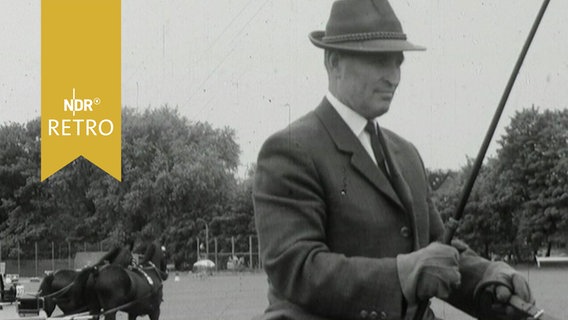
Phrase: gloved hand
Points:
(499, 282)
(459, 245)
(429, 272)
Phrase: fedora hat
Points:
(364, 26)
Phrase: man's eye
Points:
(381, 60)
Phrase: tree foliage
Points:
(174, 173)
(534, 175)
(520, 200)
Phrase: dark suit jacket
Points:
(331, 224)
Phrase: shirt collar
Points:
(354, 121)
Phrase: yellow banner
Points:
(80, 84)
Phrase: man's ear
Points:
(332, 60)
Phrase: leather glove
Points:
(429, 272)
(499, 282)
(459, 245)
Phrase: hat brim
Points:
(367, 46)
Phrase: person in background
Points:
(152, 253)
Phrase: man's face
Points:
(366, 82)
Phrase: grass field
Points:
(241, 296)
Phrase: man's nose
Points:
(392, 75)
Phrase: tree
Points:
(480, 226)
(238, 220)
(27, 210)
(533, 174)
(520, 196)
(174, 172)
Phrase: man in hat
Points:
(342, 206)
(152, 253)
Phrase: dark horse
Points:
(72, 291)
(136, 291)
(68, 290)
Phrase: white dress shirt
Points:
(355, 122)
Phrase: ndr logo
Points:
(75, 105)
(81, 126)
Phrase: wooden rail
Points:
(539, 260)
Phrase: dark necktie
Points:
(401, 187)
(371, 128)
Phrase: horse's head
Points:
(46, 288)
(66, 289)
(164, 262)
(158, 259)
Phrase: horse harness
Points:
(153, 267)
(154, 288)
(143, 272)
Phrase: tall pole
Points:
(216, 257)
(52, 256)
(259, 260)
(453, 222)
(198, 249)
(206, 238)
(250, 252)
(18, 257)
(206, 235)
(36, 263)
(69, 254)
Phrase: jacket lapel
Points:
(347, 142)
(397, 178)
(400, 184)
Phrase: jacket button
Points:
(383, 315)
(405, 231)
(374, 315)
(364, 314)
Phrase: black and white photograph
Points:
(337, 159)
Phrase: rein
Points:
(56, 293)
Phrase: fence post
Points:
(197, 248)
(69, 254)
(232, 246)
(216, 260)
(250, 252)
(259, 261)
(35, 245)
(18, 257)
(52, 256)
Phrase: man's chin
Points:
(379, 112)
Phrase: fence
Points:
(34, 259)
(246, 250)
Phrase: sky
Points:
(249, 65)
